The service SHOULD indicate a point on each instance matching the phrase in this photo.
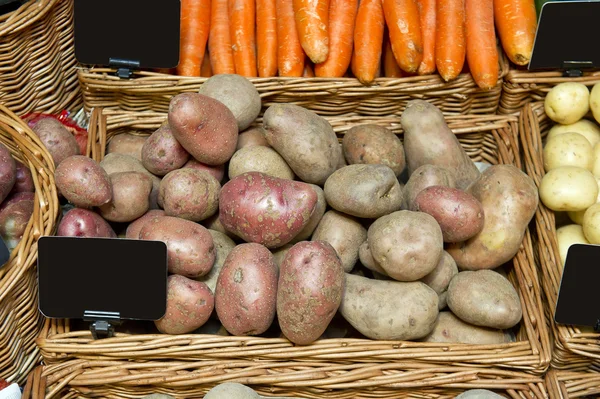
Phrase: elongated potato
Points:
(59, 142)
(451, 329)
(425, 176)
(366, 259)
(223, 246)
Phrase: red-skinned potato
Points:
(190, 247)
(23, 179)
(264, 209)
(189, 194)
(15, 213)
(83, 182)
(84, 223)
(131, 197)
(425, 176)
(246, 293)
(189, 305)
(205, 127)
(8, 172)
(59, 142)
(134, 228)
(217, 171)
(162, 153)
(310, 289)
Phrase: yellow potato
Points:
(577, 216)
(569, 188)
(586, 128)
(591, 224)
(595, 101)
(567, 102)
(568, 149)
(567, 236)
(596, 164)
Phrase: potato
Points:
(214, 223)
(315, 218)
(568, 188)
(439, 279)
(595, 102)
(509, 198)
(23, 179)
(364, 191)
(407, 245)
(8, 172)
(130, 200)
(237, 93)
(577, 216)
(59, 142)
(246, 293)
(567, 236)
(15, 213)
(450, 329)
(264, 209)
(189, 305)
(587, 129)
(311, 284)
(190, 247)
(344, 233)
(280, 253)
(127, 144)
(252, 136)
(189, 194)
(484, 298)
(231, 390)
(83, 182)
(204, 127)
(366, 259)
(84, 223)
(429, 140)
(568, 149)
(134, 228)
(223, 246)
(217, 171)
(459, 214)
(425, 176)
(591, 224)
(567, 102)
(479, 394)
(162, 153)
(389, 310)
(374, 144)
(259, 159)
(342, 161)
(304, 139)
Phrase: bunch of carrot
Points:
(363, 38)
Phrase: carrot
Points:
(206, 69)
(219, 40)
(427, 13)
(242, 25)
(312, 20)
(342, 16)
(308, 71)
(482, 52)
(195, 24)
(516, 22)
(266, 37)
(368, 40)
(450, 46)
(403, 22)
(390, 66)
(290, 56)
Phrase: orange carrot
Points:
(342, 16)
(266, 37)
(308, 71)
(390, 66)
(206, 69)
(368, 40)
(516, 22)
(195, 24)
(242, 24)
(482, 52)
(219, 40)
(450, 47)
(290, 56)
(312, 20)
(427, 13)
(403, 22)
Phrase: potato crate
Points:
(570, 385)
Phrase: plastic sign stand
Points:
(578, 295)
(127, 34)
(4, 253)
(565, 36)
(102, 280)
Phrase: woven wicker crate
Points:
(37, 58)
(570, 385)
(20, 320)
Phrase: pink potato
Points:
(134, 228)
(217, 171)
(264, 209)
(252, 136)
(246, 292)
(205, 127)
(190, 247)
(24, 179)
(131, 197)
(310, 289)
(83, 182)
(59, 142)
(15, 213)
(84, 223)
(162, 153)
(8, 172)
(189, 305)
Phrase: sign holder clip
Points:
(102, 323)
(124, 67)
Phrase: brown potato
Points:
(425, 176)
(280, 253)
(429, 140)
(315, 218)
(8, 172)
(407, 245)
(189, 194)
(189, 305)
(83, 182)
(304, 139)
(217, 171)
(252, 136)
(364, 191)
(366, 259)
(130, 200)
(23, 179)
(451, 329)
(59, 142)
(15, 213)
(459, 214)
(204, 127)
(259, 159)
(223, 246)
(162, 153)
(311, 284)
(342, 162)
(127, 144)
(344, 233)
(439, 279)
(84, 223)
(246, 294)
(374, 144)
(134, 228)
(190, 247)
(214, 223)
(509, 198)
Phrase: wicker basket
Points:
(19, 317)
(573, 349)
(570, 385)
(37, 58)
